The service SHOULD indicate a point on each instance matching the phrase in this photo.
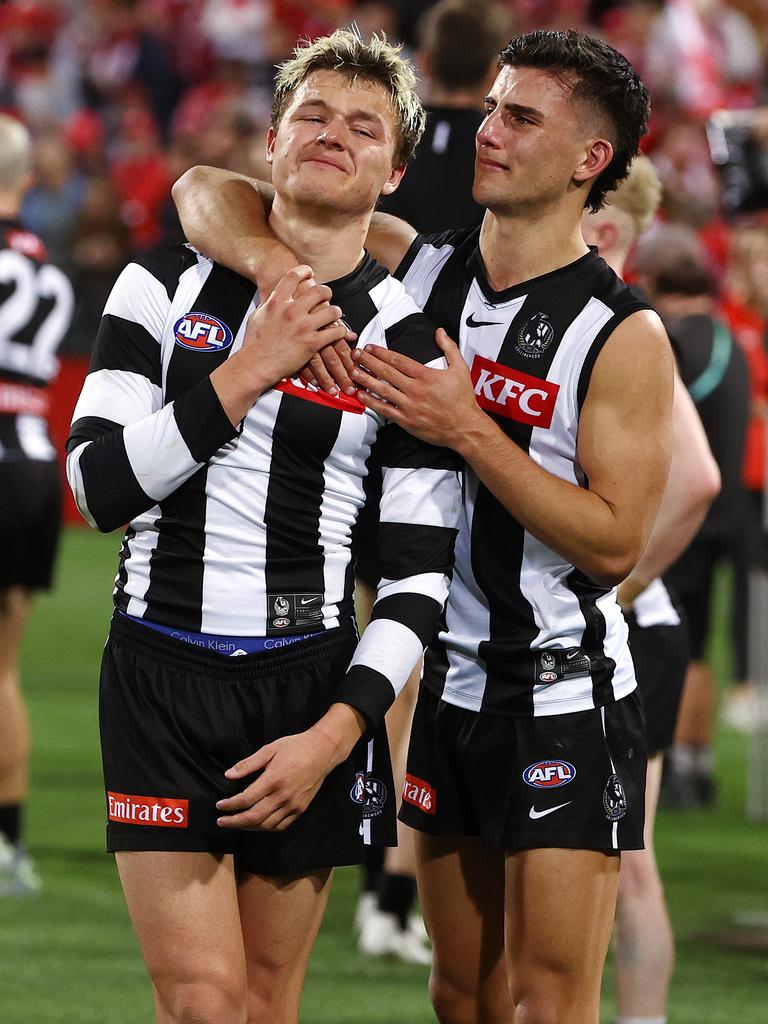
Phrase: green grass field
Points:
(69, 956)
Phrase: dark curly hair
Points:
(598, 76)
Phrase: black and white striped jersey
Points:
(525, 632)
(36, 303)
(247, 532)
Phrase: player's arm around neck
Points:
(224, 215)
(623, 447)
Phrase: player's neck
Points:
(517, 248)
(332, 244)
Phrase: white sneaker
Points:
(381, 935)
(417, 928)
(745, 709)
(367, 903)
(17, 872)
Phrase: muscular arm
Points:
(224, 215)
(623, 444)
(694, 482)
(623, 448)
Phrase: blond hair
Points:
(373, 61)
(639, 194)
(15, 153)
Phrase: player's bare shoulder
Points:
(636, 356)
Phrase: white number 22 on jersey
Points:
(31, 284)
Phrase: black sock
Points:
(372, 866)
(396, 896)
(10, 822)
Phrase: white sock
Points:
(641, 1020)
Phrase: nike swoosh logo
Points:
(572, 655)
(471, 322)
(533, 813)
(308, 600)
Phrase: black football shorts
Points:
(575, 780)
(30, 521)
(173, 718)
(660, 655)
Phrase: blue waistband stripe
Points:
(229, 646)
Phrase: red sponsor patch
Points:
(148, 810)
(299, 389)
(513, 394)
(420, 794)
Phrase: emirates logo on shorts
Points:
(420, 794)
(148, 810)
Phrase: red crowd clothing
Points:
(749, 328)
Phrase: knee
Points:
(204, 1001)
(455, 1004)
(638, 877)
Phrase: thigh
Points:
(461, 887)
(280, 921)
(177, 902)
(560, 907)
(15, 606)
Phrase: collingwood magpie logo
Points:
(614, 799)
(536, 335)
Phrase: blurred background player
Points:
(675, 271)
(36, 304)
(658, 637)
(459, 42)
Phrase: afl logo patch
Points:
(535, 336)
(549, 774)
(202, 333)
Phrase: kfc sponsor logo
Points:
(513, 394)
(420, 794)
(300, 389)
(148, 810)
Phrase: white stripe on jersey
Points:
(421, 277)
(119, 393)
(388, 648)
(654, 606)
(138, 561)
(397, 503)
(141, 298)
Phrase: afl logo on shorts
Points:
(370, 792)
(202, 333)
(549, 774)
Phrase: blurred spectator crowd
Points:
(122, 96)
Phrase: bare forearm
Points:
(576, 523)
(224, 215)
